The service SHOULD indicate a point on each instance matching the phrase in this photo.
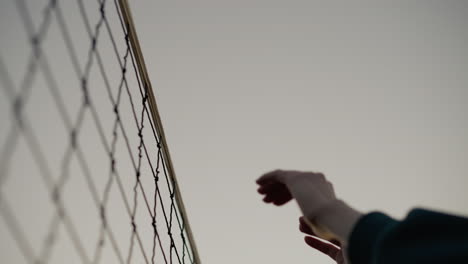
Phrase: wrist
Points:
(338, 218)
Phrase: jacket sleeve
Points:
(422, 237)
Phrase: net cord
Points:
(136, 49)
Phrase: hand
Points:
(311, 190)
(328, 217)
(333, 249)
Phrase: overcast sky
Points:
(371, 93)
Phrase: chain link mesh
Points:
(82, 176)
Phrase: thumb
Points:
(324, 247)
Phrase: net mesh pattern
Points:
(82, 175)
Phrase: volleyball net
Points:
(85, 171)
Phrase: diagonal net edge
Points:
(39, 63)
(136, 49)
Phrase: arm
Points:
(422, 237)
(328, 217)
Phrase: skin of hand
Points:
(315, 197)
(311, 190)
(333, 249)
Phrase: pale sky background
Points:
(371, 93)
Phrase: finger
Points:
(268, 177)
(304, 227)
(269, 188)
(277, 198)
(268, 199)
(324, 247)
(272, 188)
(279, 192)
(336, 242)
(282, 198)
(262, 189)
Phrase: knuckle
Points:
(316, 175)
(277, 171)
(320, 175)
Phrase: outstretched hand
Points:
(328, 217)
(311, 190)
(332, 249)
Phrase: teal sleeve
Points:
(422, 237)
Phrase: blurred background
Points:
(372, 94)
